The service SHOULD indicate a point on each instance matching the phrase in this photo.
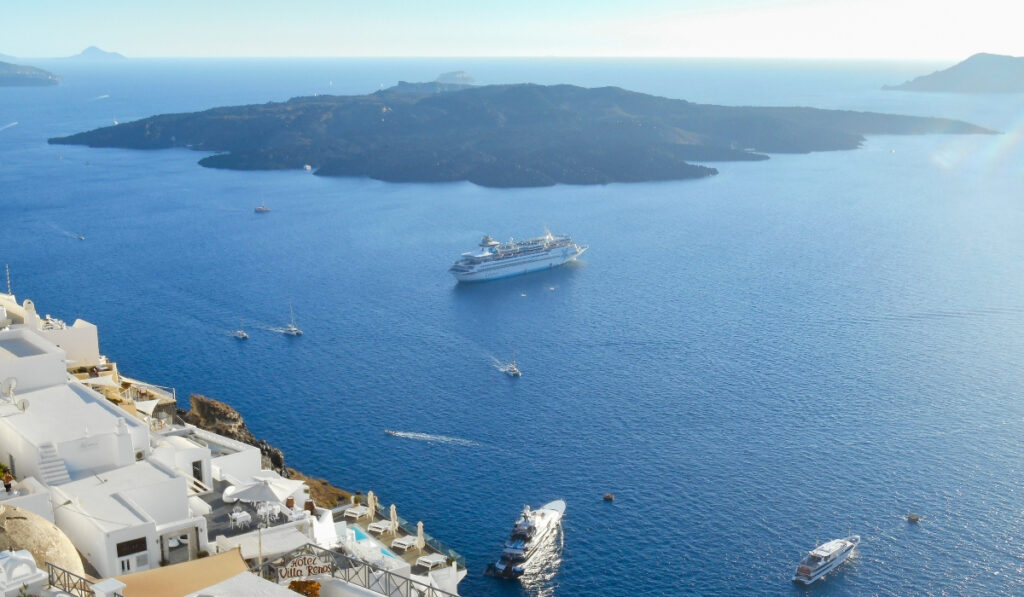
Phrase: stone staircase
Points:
(51, 465)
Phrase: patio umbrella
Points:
(394, 519)
(371, 503)
(420, 542)
(267, 490)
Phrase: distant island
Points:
(20, 75)
(455, 76)
(94, 53)
(981, 73)
(503, 135)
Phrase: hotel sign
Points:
(303, 567)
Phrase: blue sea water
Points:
(791, 351)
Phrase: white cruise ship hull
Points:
(516, 267)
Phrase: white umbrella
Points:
(267, 490)
(420, 542)
(371, 503)
(394, 519)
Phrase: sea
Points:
(794, 350)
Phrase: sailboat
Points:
(240, 332)
(292, 330)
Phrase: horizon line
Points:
(497, 57)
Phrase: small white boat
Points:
(825, 558)
(240, 332)
(262, 209)
(291, 329)
(512, 370)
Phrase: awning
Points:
(184, 578)
(146, 406)
(275, 541)
(245, 583)
(103, 380)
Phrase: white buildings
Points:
(129, 498)
(134, 491)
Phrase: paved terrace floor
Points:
(409, 556)
(217, 522)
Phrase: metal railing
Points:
(68, 581)
(357, 572)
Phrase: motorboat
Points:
(512, 370)
(240, 332)
(533, 529)
(824, 558)
(262, 209)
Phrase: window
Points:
(127, 548)
(197, 470)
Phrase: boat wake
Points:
(99, 97)
(428, 437)
(539, 575)
(7, 126)
(67, 233)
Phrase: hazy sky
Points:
(904, 29)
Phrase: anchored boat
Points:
(501, 260)
(825, 558)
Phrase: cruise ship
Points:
(501, 260)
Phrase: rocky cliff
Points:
(218, 417)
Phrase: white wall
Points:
(41, 369)
(89, 540)
(26, 457)
(240, 465)
(80, 341)
(97, 453)
(36, 498)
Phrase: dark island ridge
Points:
(521, 135)
(981, 73)
(20, 75)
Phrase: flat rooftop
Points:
(129, 496)
(13, 347)
(61, 413)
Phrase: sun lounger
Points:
(431, 561)
(379, 527)
(404, 543)
(356, 512)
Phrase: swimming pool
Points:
(360, 535)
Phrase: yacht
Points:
(240, 332)
(501, 260)
(262, 209)
(533, 529)
(291, 329)
(824, 558)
